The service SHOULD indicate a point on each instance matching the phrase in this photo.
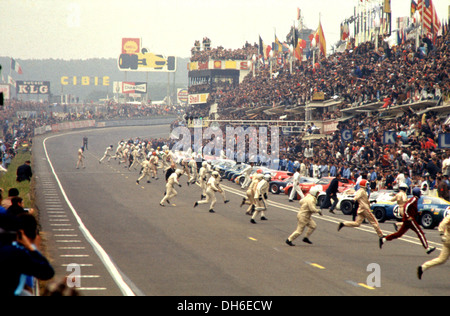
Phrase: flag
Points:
(387, 6)
(298, 51)
(320, 40)
(11, 81)
(345, 32)
(16, 67)
(277, 46)
(413, 7)
(261, 49)
(264, 50)
(428, 14)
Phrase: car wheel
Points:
(426, 220)
(347, 207)
(275, 189)
(134, 62)
(124, 62)
(380, 214)
(320, 200)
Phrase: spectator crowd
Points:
(392, 76)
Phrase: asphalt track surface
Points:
(124, 243)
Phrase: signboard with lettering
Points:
(346, 135)
(85, 81)
(33, 87)
(444, 141)
(130, 87)
(198, 98)
(389, 137)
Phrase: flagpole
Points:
(421, 18)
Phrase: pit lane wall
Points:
(63, 126)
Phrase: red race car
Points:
(324, 182)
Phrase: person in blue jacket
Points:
(19, 256)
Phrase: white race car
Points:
(346, 201)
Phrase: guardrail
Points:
(99, 124)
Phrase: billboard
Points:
(130, 87)
(33, 87)
(135, 58)
(182, 96)
(200, 98)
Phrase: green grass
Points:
(8, 180)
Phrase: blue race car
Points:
(432, 211)
(223, 166)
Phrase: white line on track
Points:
(410, 239)
(104, 257)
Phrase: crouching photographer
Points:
(19, 257)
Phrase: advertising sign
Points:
(198, 98)
(182, 96)
(130, 87)
(135, 58)
(32, 87)
(389, 137)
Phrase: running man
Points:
(170, 191)
(262, 189)
(308, 207)
(409, 222)
(444, 230)
(364, 212)
(81, 157)
(107, 154)
(212, 187)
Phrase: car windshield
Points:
(306, 180)
(323, 181)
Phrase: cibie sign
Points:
(85, 81)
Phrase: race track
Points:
(124, 243)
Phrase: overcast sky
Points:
(81, 29)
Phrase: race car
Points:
(146, 61)
(240, 178)
(346, 199)
(344, 184)
(223, 165)
(431, 211)
(277, 186)
(231, 173)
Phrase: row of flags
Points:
(372, 18)
(298, 44)
(428, 15)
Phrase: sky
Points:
(82, 29)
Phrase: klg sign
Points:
(32, 87)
